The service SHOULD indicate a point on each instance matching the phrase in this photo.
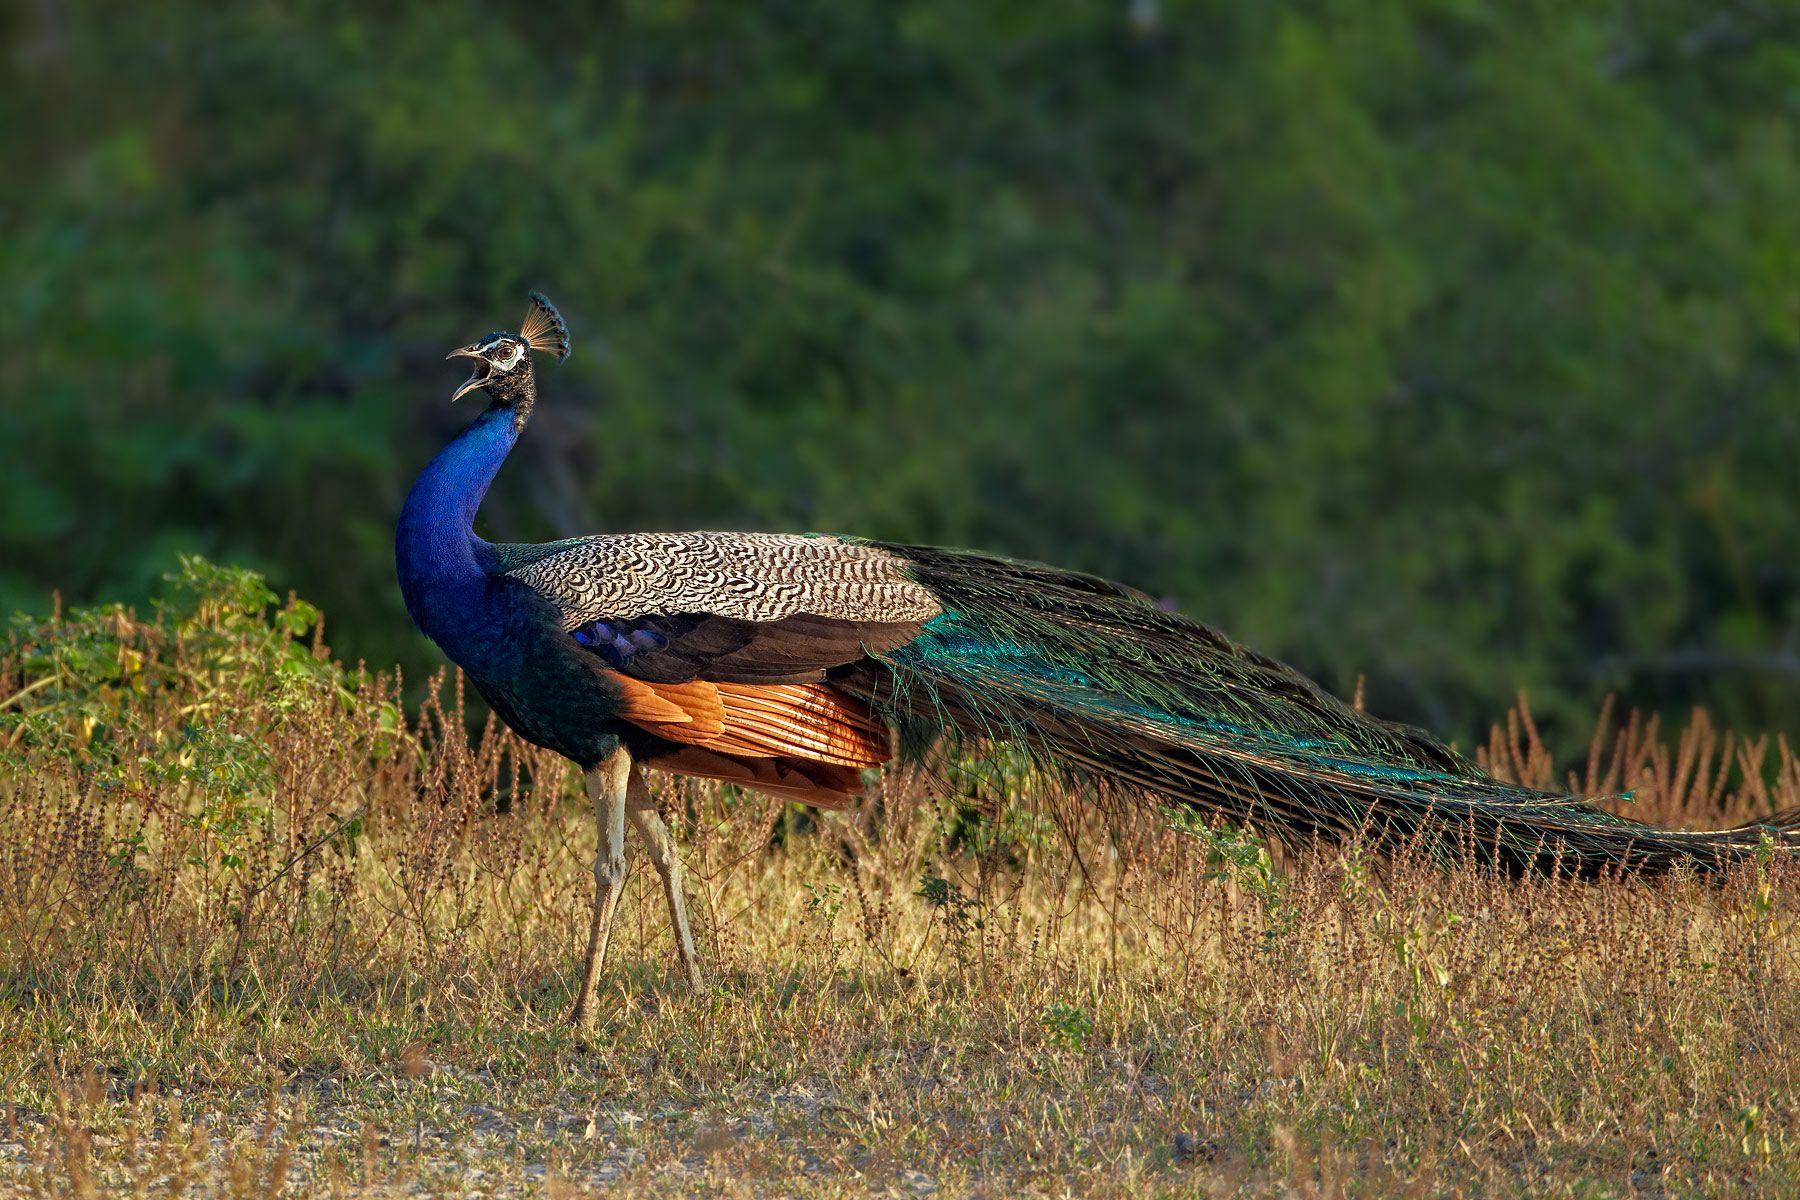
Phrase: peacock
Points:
(794, 664)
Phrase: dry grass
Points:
(261, 936)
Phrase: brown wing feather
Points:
(788, 738)
(682, 712)
(819, 784)
(803, 720)
(795, 649)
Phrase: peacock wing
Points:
(721, 645)
(739, 607)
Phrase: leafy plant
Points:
(1239, 857)
(1068, 1025)
(135, 701)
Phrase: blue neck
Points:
(439, 559)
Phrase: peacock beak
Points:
(477, 378)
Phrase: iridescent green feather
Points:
(1100, 685)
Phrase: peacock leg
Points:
(608, 785)
(651, 827)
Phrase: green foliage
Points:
(1008, 837)
(1452, 343)
(959, 911)
(1067, 1025)
(1239, 857)
(1426, 1000)
(824, 900)
(133, 703)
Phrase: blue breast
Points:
(505, 637)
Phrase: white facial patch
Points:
(508, 358)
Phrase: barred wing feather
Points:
(748, 576)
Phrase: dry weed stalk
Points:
(987, 969)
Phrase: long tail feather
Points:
(1101, 686)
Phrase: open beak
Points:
(475, 380)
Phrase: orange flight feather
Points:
(790, 739)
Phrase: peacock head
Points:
(503, 360)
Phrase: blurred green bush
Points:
(1450, 342)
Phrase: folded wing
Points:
(723, 645)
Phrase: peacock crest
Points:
(544, 327)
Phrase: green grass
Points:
(261, 934)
